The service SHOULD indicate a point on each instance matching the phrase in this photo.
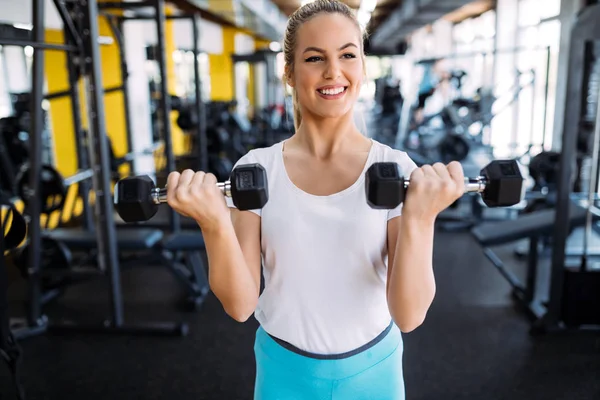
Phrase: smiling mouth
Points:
(333, 92)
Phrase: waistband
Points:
(339, 356)
(336, 366)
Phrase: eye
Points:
(349, 55)
(313, 59)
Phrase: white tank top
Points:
(324, 258)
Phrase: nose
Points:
(332, 69)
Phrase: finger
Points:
(172, 179)
(172, 182)
(456, 171)
(197, 180)
(210, 179)
(442, 171)
(186, 178)
(428, 170)
(416, 174)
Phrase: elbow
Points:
(240, 313)
(407, 325)
(239, 317)
(409, 319)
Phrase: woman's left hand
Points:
(432, 189)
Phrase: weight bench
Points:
(131, 240)
(539, 223)
(159, 221)
(180, 252)
(531, 226)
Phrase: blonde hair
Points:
(300, 16)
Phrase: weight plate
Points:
(453, 148)
(52, 191)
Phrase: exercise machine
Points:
(570, 301)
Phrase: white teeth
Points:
(332, 92)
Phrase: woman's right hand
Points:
(196, 195)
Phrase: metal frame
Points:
(159, 18)
(86, 50)
(585, 28)
(202, 156)
(116, 27)
(200, 109)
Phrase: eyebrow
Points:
(318, 50)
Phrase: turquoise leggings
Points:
(373, 373)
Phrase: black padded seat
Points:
(130, 239)
(159, 221)
(537, 223)
(184, 241)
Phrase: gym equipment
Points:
(80, 24)
(187, 119)
(137, 198)
(10, 352)
(117, 162)
(14, 134)
(500, 184)
(570, 299)
(544, 170)
(53, 187)
(17, 230)
(534, 227)
(55, 255)
(453, 147)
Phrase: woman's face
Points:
(328, 67)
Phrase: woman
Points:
(342, 280)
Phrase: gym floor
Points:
(473, 345)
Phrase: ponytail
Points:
(297, 111)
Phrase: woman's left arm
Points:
(411, 282)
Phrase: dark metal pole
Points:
(35, 149)
(546, 90)
(83, 160)
(532, 109)
(107, 241)
(36, 44)
(165, 101)
(573, 101)
(200, 110)
(69, 29)
(117, 29)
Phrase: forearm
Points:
(412, 283)
(229, 277)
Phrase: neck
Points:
(323, 137)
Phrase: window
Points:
(537, 61)
(551, 8)
(5, 104)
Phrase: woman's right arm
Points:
(231, 238)
(234, 258)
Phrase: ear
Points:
(289, 76)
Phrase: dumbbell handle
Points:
(472, 185)
(159, 195)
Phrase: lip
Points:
(335, 96)
(332, 87)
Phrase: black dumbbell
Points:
(137, 198)
(500, 184)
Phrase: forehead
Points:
(327, 31)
